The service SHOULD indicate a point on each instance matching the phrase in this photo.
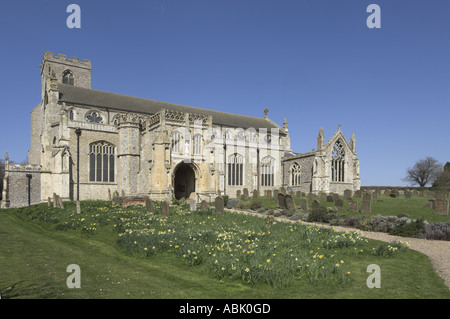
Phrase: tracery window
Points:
(101, 162)
(235, 169)
(94, 117)
(68, 77)
(295, 174)
(338, 162)
(267, 171)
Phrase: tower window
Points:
(68, 77)
(337, 162)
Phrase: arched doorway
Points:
(184, 181)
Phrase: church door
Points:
(184, 181)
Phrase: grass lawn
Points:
(114, 249)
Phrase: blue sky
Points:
(314, 62)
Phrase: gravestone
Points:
(245, 193)
(290, 204)
(238, 193)
(348, 194)
(275, 193)
(283, 190)
(255, 193)
(366, 206)
(122, 193)
(330, 199)
(78, 207)
(322, 196)
(339, 204)
(192, 204)
(60, 202)
(315, 205)
(298, 194)
(408, 194)
(396, 193)
(367, 197)
(357, 193)
(393, 195)
(55, 200)
(387, 192)
(281, 201)
(353, 206)
(164, 209)
(109, 194)
(269, 194)
(441, 206)
(430, 204)
(148, 205)
(304, 204)
(49, 202)
(219, 205)
(204, 205)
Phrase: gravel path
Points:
(437, 250)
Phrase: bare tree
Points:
(423, 172)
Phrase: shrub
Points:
(383, 223)
(408, 228)
(232, 203)
(255, 205)
(436, 231)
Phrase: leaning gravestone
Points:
(290, 204)
(441, 207)
(315, 205)
(339, 204)
(281, 201)
(164, 209)
(204, 205)
(219, 205)
(366, 206)
(304, 204)
(192, 204)
(60, 202)
(353, 206)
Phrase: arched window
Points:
(235, 170)
(267, 171)
(71, 114)
(68, 77)
(94, 117)
(176, 141)
(197, 144)
(337, 162)
(295, 174)
(101, 162)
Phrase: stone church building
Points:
(88, 144)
